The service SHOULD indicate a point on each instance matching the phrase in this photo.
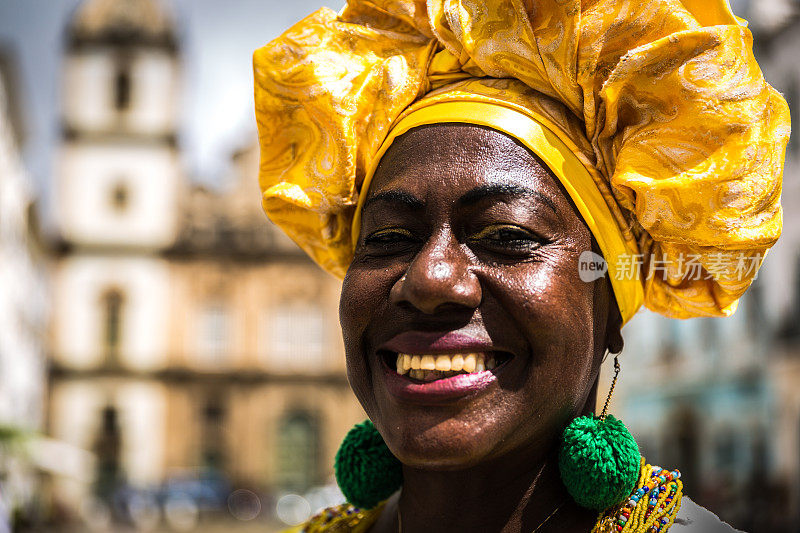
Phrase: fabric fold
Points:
(662, 101)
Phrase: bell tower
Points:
(118, 174)
(118, 184)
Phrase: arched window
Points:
(120, 196)
(122, 88)
(112, 303)
(213, 436)
(107, 448)
(298, 446)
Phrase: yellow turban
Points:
(653, 114)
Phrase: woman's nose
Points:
(439, 276)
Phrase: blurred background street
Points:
(169, 361)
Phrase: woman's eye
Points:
(389, 237)
(507, 236)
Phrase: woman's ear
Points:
(613, 334)
(614, 341)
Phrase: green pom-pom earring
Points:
(599, 459)
(366, 471)
(599, 462)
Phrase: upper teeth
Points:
(460, 362)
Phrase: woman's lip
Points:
(438, 391)
(423, 342)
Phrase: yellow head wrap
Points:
(653, 115)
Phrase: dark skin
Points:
(466, 231)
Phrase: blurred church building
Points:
(23, 310)
(189, 336)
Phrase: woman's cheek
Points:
(572, 297)
(544, 292)
(353, 304)
(363, 298)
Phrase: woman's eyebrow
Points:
(396, 197)
(503, 189)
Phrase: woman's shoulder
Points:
(340, 518)
(656, 504)
(694, 518)
(345, 518)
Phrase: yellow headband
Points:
(561, 160)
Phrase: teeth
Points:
(427, 362)
(432, 367)
(469, 363)
(443, 363)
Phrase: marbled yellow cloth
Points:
(662, 101)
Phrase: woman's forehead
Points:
(459, 157)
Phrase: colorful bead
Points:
(656, 516)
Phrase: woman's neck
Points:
(506, 496)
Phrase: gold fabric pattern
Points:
(343, 518)
(662, 101)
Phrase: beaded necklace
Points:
(651, 508)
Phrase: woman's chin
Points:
(440, 448)
(439, 459)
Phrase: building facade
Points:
(778, 48)
(190, 340)
(23, 308)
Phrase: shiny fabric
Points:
(661, 100)
(343, 518)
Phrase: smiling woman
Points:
(471, 267)
(456, 161)
(468, 257)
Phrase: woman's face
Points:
(469, 251)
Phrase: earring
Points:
(366, 471)
(599, 460)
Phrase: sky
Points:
(217, 42)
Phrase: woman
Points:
(458, 161)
